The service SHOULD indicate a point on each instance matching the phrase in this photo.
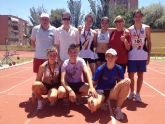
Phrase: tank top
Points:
(103, 37)
(138, 49)
(48, 74)
(86, 44)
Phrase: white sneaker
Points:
(131, 95)
(118, 114)
(39, 105)
(138, 98)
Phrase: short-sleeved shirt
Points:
(65, 39)
(43, 40)
(138, 49)
(74, 72)
(107, 78)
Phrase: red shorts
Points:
(37, 63)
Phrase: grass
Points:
(16, 47)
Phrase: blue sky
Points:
(21, 8)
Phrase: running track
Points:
(15, 108)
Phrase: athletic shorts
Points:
(88, 60)
(137, 65)
(48, 86)
(76, 86)
(37, 63)
(101, 57)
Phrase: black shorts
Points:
(101, 57)
(76, 86)
(88, 60)
(48, 86)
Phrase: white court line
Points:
(162, 94)
(16, 85)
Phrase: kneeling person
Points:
(47, 80)
(72, 72)
(110, 84)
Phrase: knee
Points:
(61, 92)
(92, 105)
(36, 87)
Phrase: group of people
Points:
(62, 56)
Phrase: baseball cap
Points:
(44, 15)
(111, 51)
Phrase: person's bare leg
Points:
(139, 81)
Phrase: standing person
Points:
(120, 41)
(48, 79)
(103, 36)
(72, 72)
(87, 42)
(67, 35)
(42, 38)
(110, 84)
(139, 54)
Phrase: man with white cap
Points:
(42, 38)
(110, 84)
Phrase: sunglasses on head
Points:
(66, 19)
(118, 21)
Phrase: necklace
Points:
(51, 72)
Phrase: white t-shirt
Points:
(74, 72)
(43, 40)
(138, 49)
(65, 39)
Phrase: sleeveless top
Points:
(86, 44)
(50, 78)
(103, 37)
(138, 49)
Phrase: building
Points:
(128, 4)
(13, 29)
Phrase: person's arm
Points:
(92, 90)
(33, 38)
(40, 73)
(95, 38)
(148, 38)
(72, 95)
(77, 38)
(126, 39)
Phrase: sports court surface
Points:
(15, 107)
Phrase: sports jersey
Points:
(138, 49)
(86, 44)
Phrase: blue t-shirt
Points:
(107, 77)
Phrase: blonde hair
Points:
(117, 18)
(52, 49)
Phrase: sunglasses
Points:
(66, 19)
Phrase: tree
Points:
(75, 10)
(154, 15)
(55, 17)
(35, 14)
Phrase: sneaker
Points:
(138, 98)
(39, 105)
(131, 96)
(118, 114)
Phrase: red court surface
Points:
(15, 108)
